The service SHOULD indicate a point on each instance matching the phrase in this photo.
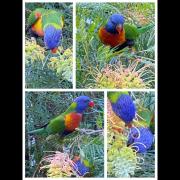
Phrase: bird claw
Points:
(33, 39)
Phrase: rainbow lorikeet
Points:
(117, 34)
(68, 121)
(141, 139)
(123, 106)
(48, 24)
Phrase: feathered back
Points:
(54, 18)
(132, 32)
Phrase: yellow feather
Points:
(37, 27)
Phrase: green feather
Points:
(57, 124)
(49, 17)
(113, 96)
(54, 18)
(38, 131)
(132, 32)
(145, 28)
(32, 18)
(71, 108)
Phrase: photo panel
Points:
(115, 45)
(64, 134)
(48, 45)
(131, 134)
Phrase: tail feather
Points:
(145, 28)
(38, 131)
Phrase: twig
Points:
(88, 131)
(28, 10)
(37, 168)
(45, 60)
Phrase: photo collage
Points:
(90, 89)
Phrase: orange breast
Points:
(72, 121)
(111, 39)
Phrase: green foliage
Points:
(123, 164)
(62, 64)
(92, 56)
(87, 141)
(42, 68)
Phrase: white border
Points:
(100, 90)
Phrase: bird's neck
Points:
(56, 26)
(114, 96)
(72, 108)
(111, 30)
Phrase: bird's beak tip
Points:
(91, 104)
(119, 27)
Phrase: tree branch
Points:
(89, 131)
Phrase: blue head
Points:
(81, 169)
(141, 139)
(83, 102)
(124, 108)
(115, 23)
(52, 38)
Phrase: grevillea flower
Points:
(119, 76)
(59, 165)
(125, 108)
(141, 139)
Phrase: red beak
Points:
(119, 28)
(91, 104)
(54, 50)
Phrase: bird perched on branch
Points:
(48, 24)
(68, 121)
(123, 106)
(118, 34)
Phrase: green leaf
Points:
(146, 114)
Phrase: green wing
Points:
(145, 28)
(52, 17)
(131, 31)
(32, 18)
(56, 125)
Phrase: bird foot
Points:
(33, 39)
